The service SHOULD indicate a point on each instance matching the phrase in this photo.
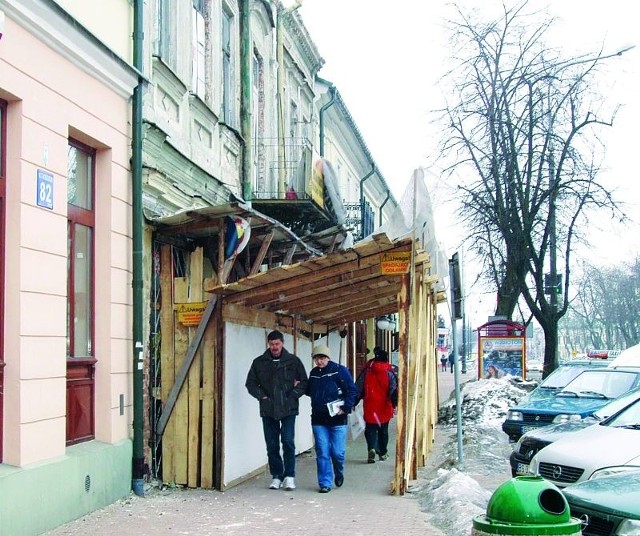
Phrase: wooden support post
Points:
(398, 486)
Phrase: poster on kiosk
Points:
(501, 349)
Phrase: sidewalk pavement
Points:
(362, 506)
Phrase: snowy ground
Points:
(451, 491)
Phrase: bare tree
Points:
(605, 312)
(523, 123)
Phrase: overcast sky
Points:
(386, 59)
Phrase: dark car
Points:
(560, 377)
(609, 505)
(583, 395)
(531, 442)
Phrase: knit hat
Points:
(321, 349)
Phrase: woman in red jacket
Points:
(378, 388)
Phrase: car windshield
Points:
(629, 418)
(561, 377)
(600, 383)
(616, 405)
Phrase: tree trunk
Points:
(551, 361)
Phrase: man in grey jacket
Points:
(277, 379)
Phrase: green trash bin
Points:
(526, 505)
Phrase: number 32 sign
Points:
(44, 196)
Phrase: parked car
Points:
(609, 447)
(609, 505)
(542, 406)
(533, 441)
(560, 377)
(534, 366)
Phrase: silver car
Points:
(609, 447)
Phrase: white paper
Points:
(334, 407)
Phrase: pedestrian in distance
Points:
(333, 395)
(378, 388)
(443, 363)
(277, 379)
(452, 361)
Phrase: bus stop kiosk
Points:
(501, 349)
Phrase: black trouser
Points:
(377, 436)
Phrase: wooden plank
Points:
(425, 349)
(362, 294)
(167, 357)
(289, 256)
(191, 352)
(398, 486)
(180, 452)
(264, 247)
(196, 271)
(416, 380)
(218, 421)
(221, 248)
(280, 278)
(208, 405)
(294, 291)
(431, 403)
(248, 316)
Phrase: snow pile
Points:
(457, 491)
(454, 492)
(484, 401)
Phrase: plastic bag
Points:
(356, 422)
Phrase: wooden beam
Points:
(399, 484)
(334, 241)
(167, 356)
(266, 242)
(345, 295)
(289, 255)
(308, 287)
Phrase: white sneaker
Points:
(276, 483)
(289, 484)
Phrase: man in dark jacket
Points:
(333, 395)
(277, 379)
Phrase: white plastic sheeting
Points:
(414, 214)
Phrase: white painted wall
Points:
(244, 448)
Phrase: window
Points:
(80, 293)
(228, 85)
(166, 37)
(199, 44)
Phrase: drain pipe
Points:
(373, 169)
(245, 99)
(332, 100)
(382, 206)
(137, 475)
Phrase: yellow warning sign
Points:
(395, 263)
(190, 314)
